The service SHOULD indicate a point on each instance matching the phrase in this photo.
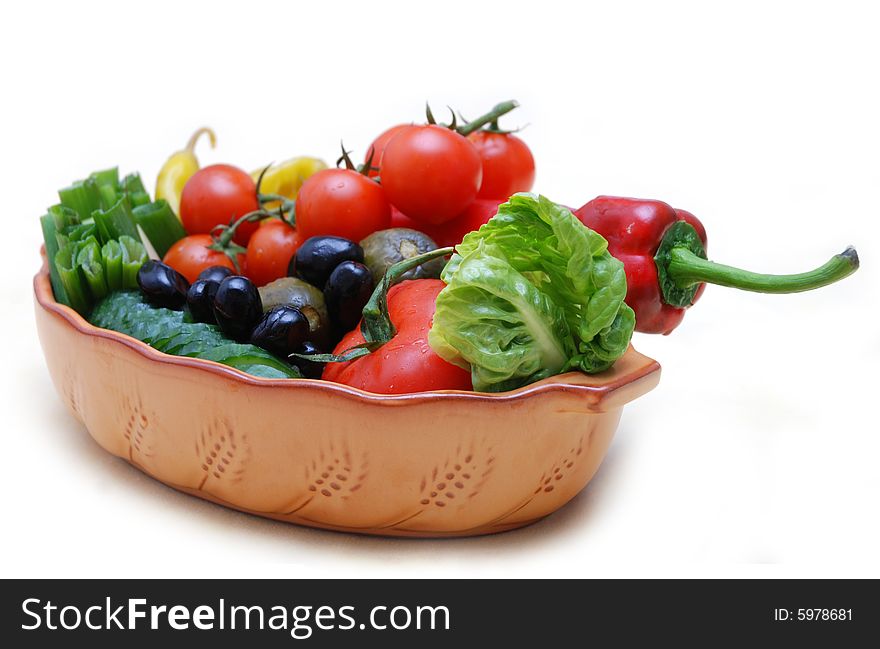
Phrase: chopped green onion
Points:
(47, 221)
(109, 195)
(160, 224)
(83, 197)
(88, 259)
(64, 216)
(132, 184)
(116, 221)
(111, 256)
(134, 255)
(77, 294)
(81, 231)
(96, 211)
(106, 177)
(139, 198)
(58, 220)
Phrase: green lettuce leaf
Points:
(531, 294)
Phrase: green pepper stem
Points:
(687, 269)
(491, 117)
(376, 325)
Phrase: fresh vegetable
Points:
(664, 254)
(83, 270)
(430, 173)
(508, 165)
(270, 250)
(83, 197)
(96, 228)
(405, 363)
(291, 291)
(219, 195)
(433, 172)
(116, 221)
(318, 256)
(178, 169)
(194, 254)
(200, 300)
(88, 260)
(452, 232)
(75, 289)
(103, 192)
(385, 248)
(281, 331)
(347, 291)
(56, 221)
(81, 273)
(286, 178)
(531, 294)
(160, 224)
(341, 202)
(122, 259)
(128, 312)
(373, 158)
(309, 369)
(216, 273)
(237, 307)
(162, 286)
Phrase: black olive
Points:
(281, 331)
(216, 273)
(237, 307)
(200, 300)
(348, 289)
(162, 285)
(295, 292)
(385, 248)
(309, 369)
(318, 256)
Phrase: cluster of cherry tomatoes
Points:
(441, 180)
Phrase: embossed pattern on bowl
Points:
(444, 463)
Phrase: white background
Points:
(758, 453)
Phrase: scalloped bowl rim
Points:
(570, 381)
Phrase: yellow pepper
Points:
(285, 178)
(179, 168)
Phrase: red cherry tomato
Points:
(406, 363)
(343, 203)
(218, 195)
(508, 165)
(477, 213)
(191, 255)
(269, 251)
(430, 173)
(401, 220)
(378, 147)
(452, 232)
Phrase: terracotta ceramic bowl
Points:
(445, 463)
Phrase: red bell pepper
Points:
(664, 254)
